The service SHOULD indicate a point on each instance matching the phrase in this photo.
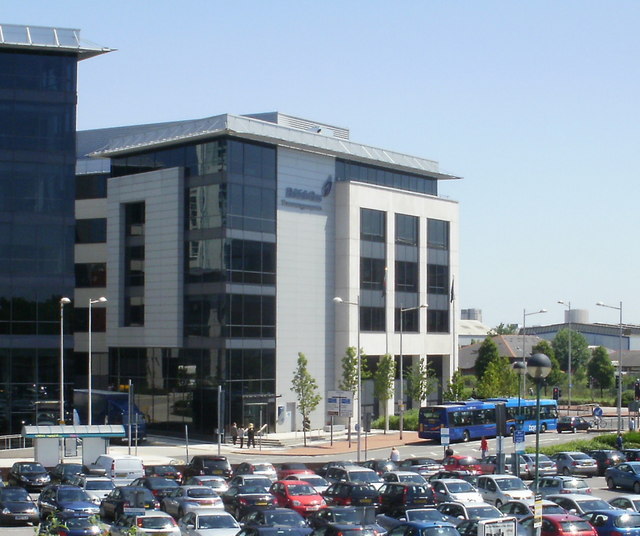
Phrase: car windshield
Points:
(290, 519)
(346, 516)
(294, 467)
(412, 478)
(79, 523)
(483, 512)
(552, 509)
(362, 491)
(425, 515)
(32, 468)
(459, 487)
(264, 482)
(575, 526)
(252, 488)
(14, 494)
(73, 495)
(510, 483)
(580, 456)
(594, 504)
(164, 468)
(215, 464)
(365, 476)
(575, 484)
(99, 484)
(72, 469)
(439, 531)
(201, 492)
(216, 522)
(151, 522)
(159, 482)
(315, 480)
(131, 493)
(542, 458)
(263, 467)
(627, 521)
(467, 461)
(301, 489)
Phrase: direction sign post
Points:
(444, 437)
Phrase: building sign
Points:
(504, 526)
(340, 404)
(307, 199)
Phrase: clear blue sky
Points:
(535, 104)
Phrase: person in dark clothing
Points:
(448, 452)
(251, 435)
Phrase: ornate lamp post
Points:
(538, 368)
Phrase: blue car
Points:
(64, 498)
(424, 528)
(73, 525)
(625, 475)
(614, 522)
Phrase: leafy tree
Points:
(421, 381)
(350, 374)
(580, 353)
(487, 352)
(306, 389)
(455, 388)
(556, 376)
(601, 369)
(499, 379)
(504, 329)
(383, 380)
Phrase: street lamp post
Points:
(538, 368)
(402, 311)
(568, 306)
(338, 299)
(63, 302)
(102, 299)
(521, 370)
(524, 339)
(619, 308)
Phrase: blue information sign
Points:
(518, 436)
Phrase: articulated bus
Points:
(473, 419)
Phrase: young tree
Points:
(455, 388)
(383, 380)
(556, 376)
(488, 352)
(504, 329)
(499, 379)
(350, 375)
(306, 389)
(580, 353)
(601, 369)
(421, 381)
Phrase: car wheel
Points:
(466, 436)
(611, 484)
(543, 427)
(566, 472)
(498, 503)
(512, 430)
(636, 487)
(180, 513)
(573, 429)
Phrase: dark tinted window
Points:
(91, 231)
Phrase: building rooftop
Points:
(44, 38)
(509, 346)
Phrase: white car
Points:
(153, 522)
(209, 523)
(499, 489)
(410, 477)
(190, 498)
(217, 483)
(318, 483)
(454, 490)
(97, 487)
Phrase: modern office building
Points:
(220, 244)
(37, 157)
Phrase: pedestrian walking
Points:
(251, 436)
(619, 441)
(448, 452)
(484, 447)
(234, 432)
(241, 435)
(395, 455)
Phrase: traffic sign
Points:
(537, 512)
(518, 436)
(444, 436)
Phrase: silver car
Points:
(190, 498)
(553, 485)
(575, 463)
(209, 523)
(579, 504)
(454, 490)
(97, 487)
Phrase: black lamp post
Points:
(538, 368)
(521, 370)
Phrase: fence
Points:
(16, 441)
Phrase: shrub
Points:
(604, 441)
(410, 421)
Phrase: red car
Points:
(462, 463)
(297, 495)
(561, 525)
(288, 469)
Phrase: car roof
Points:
(401, 473)
(574, 496)
(450, 480)
(613, 511)
(427, 524)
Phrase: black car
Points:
(380, 466)
(112, 506)
(632, 455)
(165, 471)
(345, 515)
(64, 472)
(606, 458)
(573, 424)
(351, 494)
(69, 523)
(238, 500)
(260, 530)
(423, 466)
(16, 506)
(397, 497)
(336, 463)
(340, 529)
(64, 498)
(461, 475)
(159, 486)
(30, 475)
(281, 517)
(208, 465)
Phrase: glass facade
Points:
(373, 269)
(407, 267)
(438, 279)
(351, 171)
(37, 163)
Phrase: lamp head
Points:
(519, 368)
(601, 304)
(64, 301)
(338, 299)
(102, 299)
(539, 366)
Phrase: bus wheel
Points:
(543, 427)
(466, 436)
(512, 430)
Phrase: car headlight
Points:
(95, 500)
(296, 503)
(68, 511)
(6, 511)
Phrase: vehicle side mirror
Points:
(573, 511)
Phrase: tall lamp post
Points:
(521, 370)
(102, 299)
(524, 340)
(619, 308)
(63, 302)
(338, 299)
(538, 368)
(567, 304)
(402, 312)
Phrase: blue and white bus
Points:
(473, 419)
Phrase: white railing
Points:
(15, 441)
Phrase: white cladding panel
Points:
(305, 282)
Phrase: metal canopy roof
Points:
(102, 430)
(45, 38)
(268, 132)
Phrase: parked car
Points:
(626, 475)
(207, 465)
(297, 495)
(413, 514)
(65, 498)
(380, 466)
(351, 494)
(573, 424)
(287, 469)
(457, 511)
(190, 498)
(462, 463)
(64, 472)
(397, 497)
(354, 473)
(238, 500)
(552, 485)
(454, 490)
(631, 455)
(406, 477)
(265, 530)
(524, 508)
(499, 489)
(97, 487)
(626, 502)
(606, 458)
(334, 463)
(30, 475)
(579, 503)
(254, 480)
(346, 515)
(208, 523)
(160, 487)
(575, 463)
(423, 466)
(261, 468)
(279, 517)
(614, 522)
(17, 506)
(560, 525)
(71, 524)
(424, 528)
(459, 475)
(216, 483)
(121, 467)
(319, 483)
(149, 523)
(112, 506)
(166, 471)
(547, 466)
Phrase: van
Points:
(123, 469)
